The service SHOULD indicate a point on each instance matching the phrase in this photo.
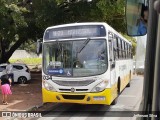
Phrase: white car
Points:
(21, 72)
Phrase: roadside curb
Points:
(47, 106)
(33, 108)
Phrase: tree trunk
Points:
(6, 55)
(0, 49)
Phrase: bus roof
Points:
(91, 23)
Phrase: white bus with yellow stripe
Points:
(87, 63)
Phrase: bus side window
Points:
(129, 51)
(125, 50)
(122, 48)
(119, 47)
(115, 50)
(111, 50)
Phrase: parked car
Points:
(21, 72)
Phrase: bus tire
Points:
(118, 92)
(129, 84)
(115, 101)
(119, 86)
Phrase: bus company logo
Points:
(72, 90)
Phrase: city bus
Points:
(86, 63)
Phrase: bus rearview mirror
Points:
(136, 17)
(39, 46)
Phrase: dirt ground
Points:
(24, 96)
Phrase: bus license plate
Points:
(99, 98)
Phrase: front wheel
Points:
(22, 80)
(129, 84)
(115, 101)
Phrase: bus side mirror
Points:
(39, 46)
(136, 18)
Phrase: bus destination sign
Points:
(75, 32)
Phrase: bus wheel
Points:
(119, 86)
(118, 92)
(115, 101)
(129, 84)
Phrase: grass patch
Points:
(34, 61)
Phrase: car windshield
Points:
(75, 58)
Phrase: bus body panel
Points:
(109, 95)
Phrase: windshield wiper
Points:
(59, 47)
(83, 45)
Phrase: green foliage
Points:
(59, 12)
(25, 23)
(11, 20)
(17, 26)
(113, 13)
(29, 46)
(34, 61)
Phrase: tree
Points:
(11, 21)
(22, 22)
(69, 11)
(17, 27)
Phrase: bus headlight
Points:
(48, 86)
(100, 87)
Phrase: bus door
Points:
(112, 59)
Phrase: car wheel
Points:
(22, 80)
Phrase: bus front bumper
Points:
(104, 97)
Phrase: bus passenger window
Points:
(128, 50)
(125, 49)
(115, 48)
(110, 51)
(119, 48)
(122, 49)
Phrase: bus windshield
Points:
(67, 58)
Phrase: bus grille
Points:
(74, 97)
(69, 90)
(73, 83)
